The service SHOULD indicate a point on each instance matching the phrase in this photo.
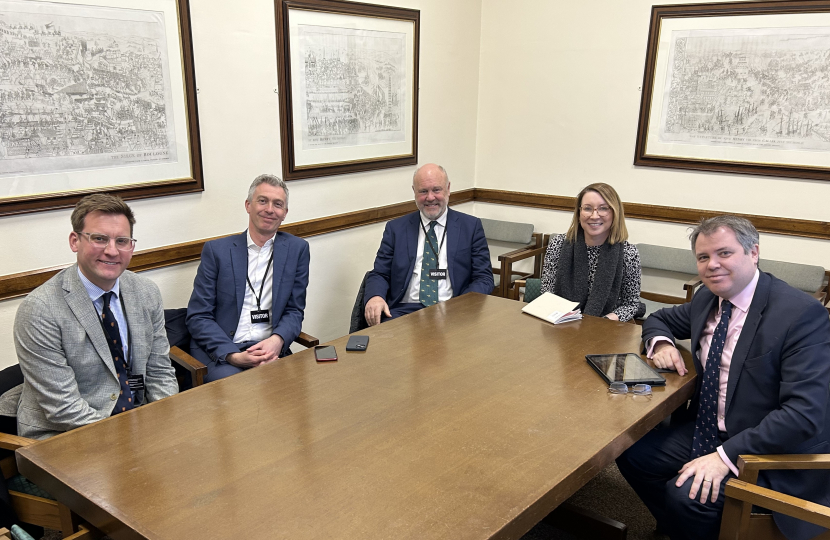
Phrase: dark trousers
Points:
(401, 309)
(651, 467)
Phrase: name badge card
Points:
(438, 273)
(260, 316)
(135, 382)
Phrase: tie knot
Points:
(107, 298)
(432, 225)
(726, 308)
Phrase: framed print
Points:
(95, 95)
(738, 87)
(348, 84)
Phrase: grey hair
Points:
(744, 230)
(269, 179)
(442, 169)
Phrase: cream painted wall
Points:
(559, 98)
(235, 58)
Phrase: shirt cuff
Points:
(654, 341)
(726, 460)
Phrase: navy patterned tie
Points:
(428, 294)
(706, 439)
(125, 398)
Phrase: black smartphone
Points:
(325, 353)
(357, 343)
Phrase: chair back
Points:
(804, 277)
(533, 289)
(358, 319)
(507, 231)
(176, 328)
(669, 259)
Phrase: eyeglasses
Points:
(122, 243)
(637, 389)
(603, 211)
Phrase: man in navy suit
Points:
(249, 293)
(763, 388)
(428, 256)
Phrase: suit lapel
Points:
(278, 268)
(239, 262)
(698, 324)
(452, 243)
(412, 240)
(135, 319)
(753, 319)
(81, 306)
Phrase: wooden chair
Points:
(508, 232)
(29, 502)
(740, 523)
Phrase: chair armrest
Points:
(13, 442)
(778, 502)
(690, 287)
(518, 284)
(307, 340)
(749, 465)
(197, 369)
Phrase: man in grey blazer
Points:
(91, 340)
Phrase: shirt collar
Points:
(442, 220)
(94, 291)
(743, 299)
(252, 244)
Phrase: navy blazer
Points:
(778, 394)
(219, 291)
(468, 257)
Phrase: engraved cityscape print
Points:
(765, 88)
(77, 92)
(354, 86)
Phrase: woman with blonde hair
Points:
(593, 263)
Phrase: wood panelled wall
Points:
(20, 284)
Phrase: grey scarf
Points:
(572, 276)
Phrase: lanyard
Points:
(431, 247)
(262, 284)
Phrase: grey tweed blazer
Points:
(69, 376)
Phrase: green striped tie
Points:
(429, 287)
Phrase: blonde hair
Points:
(618, 232)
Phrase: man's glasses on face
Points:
(122, 243)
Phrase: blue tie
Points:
(428, 293)
(125, 398)
(706, 439)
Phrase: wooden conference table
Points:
(469, 419)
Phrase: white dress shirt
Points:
(258, 258)
(444, 286)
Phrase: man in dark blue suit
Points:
(763, 389)
(428, 256)
(249, 293)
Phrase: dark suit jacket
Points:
(778, 394)
(467, 257)
(219, 291)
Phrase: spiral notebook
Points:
(553, 309)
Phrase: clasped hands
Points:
(263, 352)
